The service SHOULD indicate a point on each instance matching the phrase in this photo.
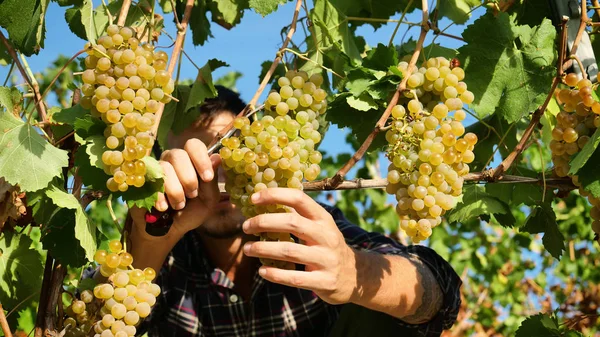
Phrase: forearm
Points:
(396, 285)
(150, 251)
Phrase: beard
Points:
(223, 224)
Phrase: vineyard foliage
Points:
(521, 237)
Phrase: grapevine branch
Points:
(475, 177)
(339, 176)
(582, 25)
(182, 29)
(39, 104)
(41, 314)
(539, 112)
(123, 12)
(268, 75)
(58, 275)
(4, 323)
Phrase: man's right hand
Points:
(190, 187)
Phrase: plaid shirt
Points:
(199, 300)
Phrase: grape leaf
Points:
(457, 10)
(24, 22)
(88, 126)
(381, 58)
(228, 13)
(588, 175)
(154, 171)
(85, 231)
(361, 103)
(542, 219)
(584, 155)
(20, 268)
(87, 20)
(513, 74)
(11, 99)
(476, 202)
(376, 9)
(203, 87)
(200, 25)
(541, 325)
(74, 21)
(490, 131)
(91, 176)
(406, 50)
(38, 160)
(331, 29)
(264, 67)
(58, 237)
(265, 7)
(69, 115)
(95, 146)
(4, 56)
(229, 80)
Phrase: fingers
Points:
(313, 280)
(197, 152)
(296, 199)
(161, 203)
(293, 223)
(184, 169)
(284, 251)
(173, 188)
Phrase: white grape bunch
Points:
(278, 149)
(117, 307)
(578, 119)
(124, 83)
(428, 149)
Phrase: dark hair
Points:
(227, 101)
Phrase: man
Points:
(349, 283)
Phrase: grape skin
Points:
(575, 123)
(277, 150)
(427, 156)
(126, 90)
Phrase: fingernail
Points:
(247, 248)
(255, 197)
(163, 206)
(193, 194)
(262, 272)
(207, 175)
(245, 225)
(180, 205)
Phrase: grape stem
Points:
(539, 112)
(339, 176)
(123, 12)
(267, 78)
(39, 104)
(112, 213)
(582, 25)
(4, 323)
(187, 14)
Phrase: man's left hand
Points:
(330, 263)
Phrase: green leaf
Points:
(542, 219)
(91, 176)
(39, 161)
(5, 58)
(381, 58)
(331, 29)
(477, 202)
(588, 175)
(457, 10)
(541, 325)
(373, 9)
(154, 171)
(200, 25)
(491, 131)
(406, 50)
(85, 231)
(146, 196)
(265, 7)
(11, 99)
(20, 268)
(203, 87)
(24, 20)
(58, 237)
(264, 67)
(88, 126)
(69, 115)
(74, 21)
(362, 103)
(584, 155)
(87, 20)
(513, 74)
(96, 145)
(228, 13)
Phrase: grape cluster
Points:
(114, 308)
(277, 150)
(575, 123)
(429, 151)
(124, 83)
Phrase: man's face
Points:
(226, 220)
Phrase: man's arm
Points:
(397, 285)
